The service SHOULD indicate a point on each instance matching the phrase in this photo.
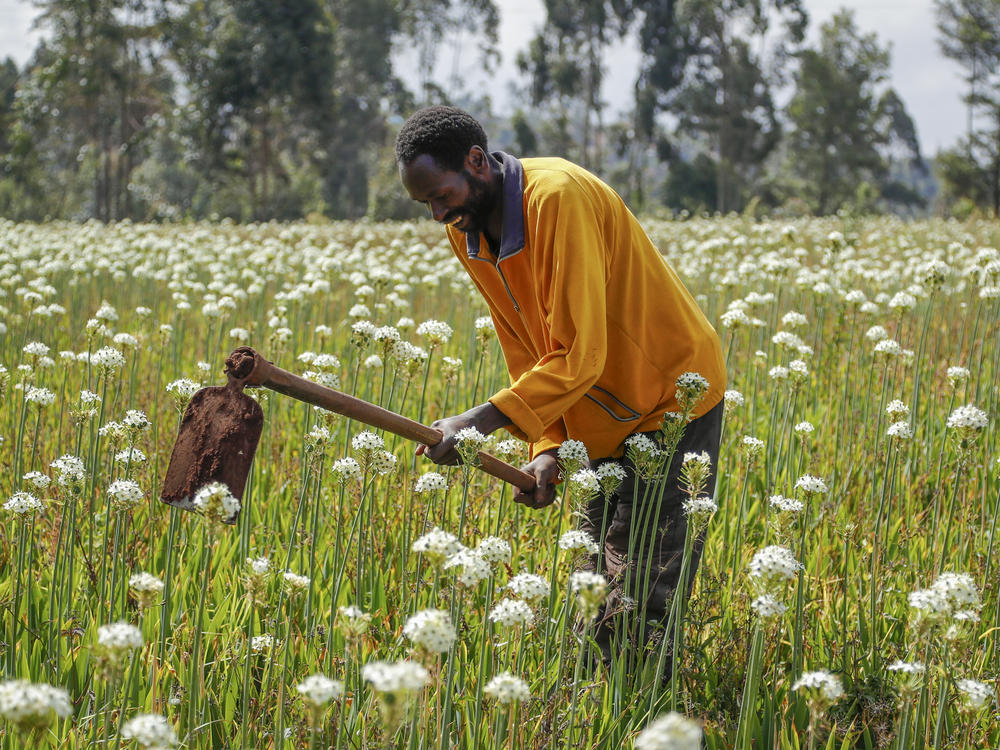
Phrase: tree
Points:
(970, 35)
(732, 61)
(565, 67)
(847, 127)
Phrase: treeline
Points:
(261, 109)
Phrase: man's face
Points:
(463, 199)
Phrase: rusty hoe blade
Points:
(216, 441)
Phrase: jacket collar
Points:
(512, 225)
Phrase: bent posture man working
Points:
(594, 325)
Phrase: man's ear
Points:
(477, 162)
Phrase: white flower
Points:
(216, 502)
(767, 606)
(902, 301)
(23, 504)
(70, 471)
(366, 442)
(976, 694)
(130, 455)
(395, 677)
(494, 550)
(778, 372)
(821, 684)
(505, 688)
(37, 479)
(960, 590)
(811, 485)
(700, 506)
(346, 470)
(151, 732)
(591, 589)
(260, 643)
(511, 612)
(437, 544)
(897, 410)
(786, 504)
(116, 641)
(968, 417)
(182, 389)
(40, 396)
(259, 566)
(876, 333)
(907, 667)
(470, 568)
(353, 621)
(584, 483)
(670, 732)
(374, 362)
(318, 690)
(733, 399)
(431, 630)
(774, 565)
(430, 482)
(33, 705)
(957, 376)
(35, 349)
(573, 453)
(146, 587)
(804, 429)
(752, 446)
(528, 586)
(108, 359)
(786, 340)
(930, 604)
(610, 474)
(888, 348)
(436, 332)
(125, 493)
(578, 540)
(900, 430)
(294, 583)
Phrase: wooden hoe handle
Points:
(267, 374)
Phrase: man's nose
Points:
(438, 211)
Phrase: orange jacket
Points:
(595, 326)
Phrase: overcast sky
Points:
(930, 85)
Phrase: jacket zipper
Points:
(507, 287)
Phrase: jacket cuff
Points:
(520, 414)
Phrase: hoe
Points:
(221, 427)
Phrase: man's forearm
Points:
(487, 418)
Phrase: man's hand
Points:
(486, 418)
(545, 469)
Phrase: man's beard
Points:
(476, 209)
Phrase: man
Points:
(595, 329)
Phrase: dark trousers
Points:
(641, 529)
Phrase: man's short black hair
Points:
(444, 133)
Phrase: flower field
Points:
(847, 595)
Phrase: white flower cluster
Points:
(528, 586)
(431, 630)
(261, 643)
(494, 550)
(395, 677)
(572, 455)
(591, 589)
(318, 690)
(346, 470)
(182, 389)
(900, 430)
(811, 485)
(33, 705)
(977, 695)
(584, 484)
(767, 606)
(367, 442)
(146, 588)
(733, 399)
(897, 410)
(115, 642)
(70, 471)
(216, 502)
(435, 331)
(39, 396)
(821, 685)
(353, 621)
(670, 732)
(507, 688)
(437, 544)
(430, 482)
(957, 376)
(294, 583)
(610, 474)
(511, 612)
(470, 568)
(577, 540)
(952, 596)
(150, 732)
(37, 479)
(774, 565)
(968, 417)
(785, 504)
(125, 493)
(23, 504)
